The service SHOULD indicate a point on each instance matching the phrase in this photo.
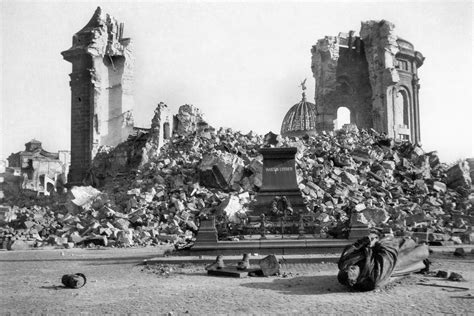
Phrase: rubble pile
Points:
(363, 177)
(346, 177)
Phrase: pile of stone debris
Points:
(147, 195)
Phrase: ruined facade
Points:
(101, 90)
(374, 75)
(39, 169)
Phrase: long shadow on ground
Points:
(304, 285)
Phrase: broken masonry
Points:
(345, 177)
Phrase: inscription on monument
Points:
(279, 169)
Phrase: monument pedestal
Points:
(278, 179)
(207, 233)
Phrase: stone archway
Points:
(343, 116)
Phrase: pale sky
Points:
(239, 62)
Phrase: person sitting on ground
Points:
(370, 262)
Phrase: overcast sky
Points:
(239, 62)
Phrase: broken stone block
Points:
(468, 237)
(269, 265)
(456, 277)
(457, 240)
(232, 207)
(459, 252)
(348, 178)
(5, 212)
(439, 186)
(125, 238)
(441, 274)
(84, 196)
(217, 170)
(362, 155)
(458, 176)
(360, 207)
(388, 164)
(20, 245)
(417, 218)
(376, 216)
(437, 237)
(75, 237)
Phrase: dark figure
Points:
(370, 262)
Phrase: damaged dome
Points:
(300, 119)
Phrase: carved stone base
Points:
(207, 231)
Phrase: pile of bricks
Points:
(345, 177)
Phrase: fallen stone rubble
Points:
(347, 176)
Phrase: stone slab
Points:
(230, 271)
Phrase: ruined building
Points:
(38, 169)
(101, 90)
(374, 75)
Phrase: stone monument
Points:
(278, 179)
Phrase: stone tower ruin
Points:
(101, 90)
(374, 75)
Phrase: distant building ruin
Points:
(101, 90)
(374, 75)
(39, 169)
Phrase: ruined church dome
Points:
(300, 119)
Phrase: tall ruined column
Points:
(380, 50)
(101, 90)
(324, 58)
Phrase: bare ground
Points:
(30, 283)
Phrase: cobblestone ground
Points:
(30, 282)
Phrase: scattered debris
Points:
(269, 265)
(245, 263)
(217, 265)
(442, 274)
(74, 281)
(459, 252)
(444, 286)
(391, 186)
(456, 277)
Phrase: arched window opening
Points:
(405, 110)
(343, 117)
(402, 109)
(166, 130)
